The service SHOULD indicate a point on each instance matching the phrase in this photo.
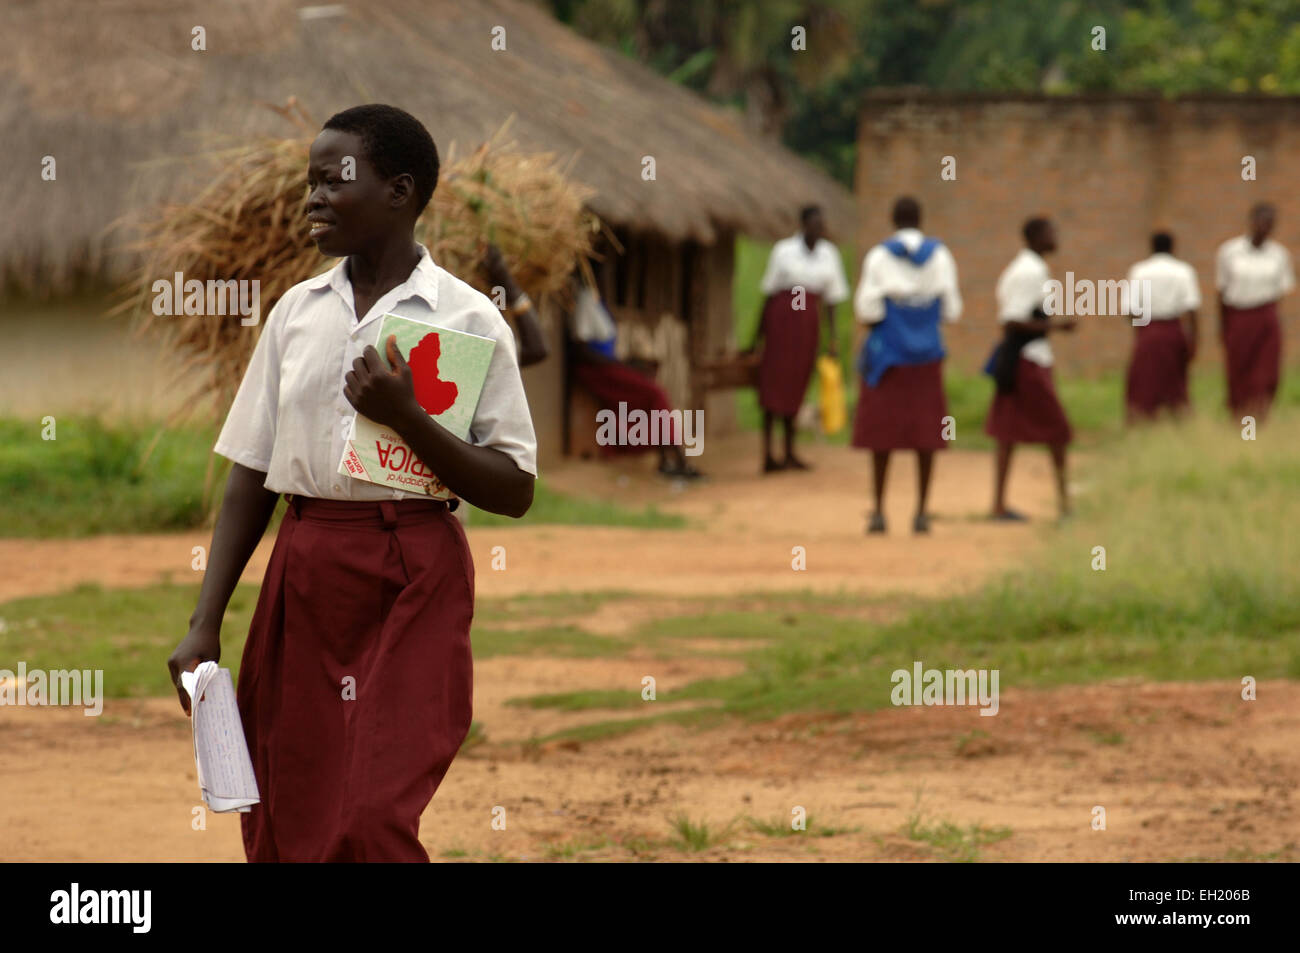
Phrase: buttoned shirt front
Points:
(886, 275)
(290, 418)
(1174, 287)
(1022, 287)
(1248, 276)
(818, 271)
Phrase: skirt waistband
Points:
(377, 513)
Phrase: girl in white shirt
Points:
(356, 680)
(803, 280)
(1252, 273)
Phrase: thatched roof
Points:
(106, 88)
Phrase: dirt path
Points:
(745, 529)
(1183, 772)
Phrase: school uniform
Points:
(907, 289)
(356, 683)
(1157, 372)
(1025, 406)
(613, 382)
(796, 282)
(1251, 280)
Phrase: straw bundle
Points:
(249, 223)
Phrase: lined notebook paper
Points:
(220, 751)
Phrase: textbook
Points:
(220, 751)
(449, 368)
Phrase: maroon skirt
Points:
(1032, 413)
(789, 352)
(1252, 345)
(904, 411)
(614, 383)
(1157, 374)
(356, 683)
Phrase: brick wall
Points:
(1108, 171)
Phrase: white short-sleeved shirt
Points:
(1247, 276)
(1022, 287)
(1175, 289)
(886, 275)
(290, 417)
(819, 271)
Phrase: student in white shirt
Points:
(1025, 406)
(907, 288)
(1164, 347)
(804, 278)
(356, 680)
(1252, 273)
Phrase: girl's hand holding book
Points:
(201, 644)
(386, 396)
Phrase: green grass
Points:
(783, 827)
(552, 507)
(131, 477)
(128, 633)
(951, 842)
(96, 477)
(1200, 584)
(697, 836)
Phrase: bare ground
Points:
(1182, 771)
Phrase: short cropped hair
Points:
(907, 212)
(1162, 242)
(395, 142)
(807, 212)
(1034, 227)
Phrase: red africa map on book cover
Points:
(448, 368)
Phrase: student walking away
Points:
(592, 337)
(355, 684)
(803, 283)
(907, 288)
(1252, 273)
(1165, 346)
(1025, 406)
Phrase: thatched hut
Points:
(108, 93)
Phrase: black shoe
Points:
(921, 524)
(771, 466)
(877, 524)
(1009, 516)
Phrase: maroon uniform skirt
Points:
(1157, 374)
(904, 411)
(1252, 344)
(1031, 413)
(615, 383)
(789, 352)
(356, 683)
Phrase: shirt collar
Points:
(797, 238)
(910, 237)
(422, 283)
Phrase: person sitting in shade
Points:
(1164, 346)
(804, 278)
(591, 338)
(908, 287)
